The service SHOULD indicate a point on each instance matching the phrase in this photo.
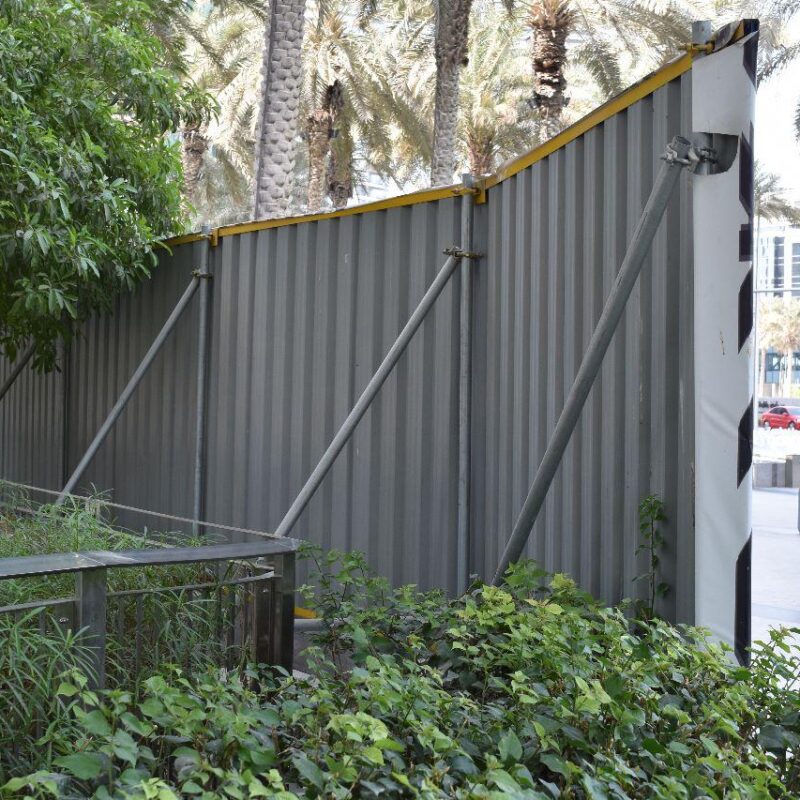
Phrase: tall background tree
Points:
(391, 92)
(89, 178)
(551, 22)
(771, 202)
(226, 62)
(348, 103)
(277, 128)
(450, 53)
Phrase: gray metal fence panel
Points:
(146, 461)
(555, 235)
(31, 425)
(303, 315)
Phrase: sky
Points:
(776, 146)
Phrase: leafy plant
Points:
(88, 168)
(651, 512)
(32, 663)
(531, 690)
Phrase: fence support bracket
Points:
(90, 596)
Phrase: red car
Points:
(781, 417)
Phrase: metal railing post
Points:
(198, 506)
(129, 389)
(368, 395)
(464, 392)
(676, 158)
(23, 358)
(90, 598)
(283, 613)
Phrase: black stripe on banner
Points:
(746, 242)
(742, 633)
(745, 454)
(746, 175)
(745, 308)
(750, 57)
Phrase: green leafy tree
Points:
(278, 116)
(89, 178)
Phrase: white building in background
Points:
(777, 274)
(778, 260)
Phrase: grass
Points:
(153, 620)
(31, 665)
(27, 529)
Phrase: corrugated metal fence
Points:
(302, 315)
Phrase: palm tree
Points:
(603, 39)
(348, 102)
(494, 124)
(771, 203)
(450, 53)
(218, 158)
(551, 21)
(492, 119)
(321, 125)
(276, 131)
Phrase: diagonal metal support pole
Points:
(130, 388)
(679, 154)
(368, 395)
(24, 357)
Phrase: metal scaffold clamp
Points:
(702, 153)
(679, 151)
(457, 252)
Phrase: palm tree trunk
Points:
(280, 99)
(318, 130)
(480, 155)
(323, 127)
(195, 145)
(340, 177)
(450, 49)
(551, 22)
(789, 359)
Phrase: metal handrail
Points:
(273, 622)
(56, 563)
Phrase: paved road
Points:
(776, 560)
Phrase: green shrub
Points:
(529, 691)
